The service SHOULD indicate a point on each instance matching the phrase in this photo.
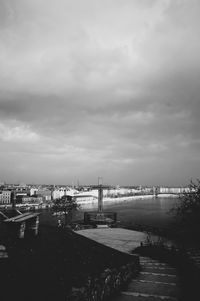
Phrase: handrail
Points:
(4, 216)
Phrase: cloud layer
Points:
(99, 88)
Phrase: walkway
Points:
(120, 239)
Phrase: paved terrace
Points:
(117, 238)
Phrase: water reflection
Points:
(148, 211)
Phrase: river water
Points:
(147, 211)
(144, 211)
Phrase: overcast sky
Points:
(106, 88)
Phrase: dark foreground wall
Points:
(48, 266)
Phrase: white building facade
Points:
(5, 197)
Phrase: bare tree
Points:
(187, 210)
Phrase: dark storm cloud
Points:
(105, 88)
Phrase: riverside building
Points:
(5, 197)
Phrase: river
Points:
(144, 211)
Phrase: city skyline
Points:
(100, 88)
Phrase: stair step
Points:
(159, 297)
(154, 264)
(152, 289)
(148, 259)
(157, 274)
(140, 298)
(157, 278)
(156, 282)
(162, 270)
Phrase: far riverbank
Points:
(128, 198)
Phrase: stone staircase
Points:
(194, 255)
(156, 281)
